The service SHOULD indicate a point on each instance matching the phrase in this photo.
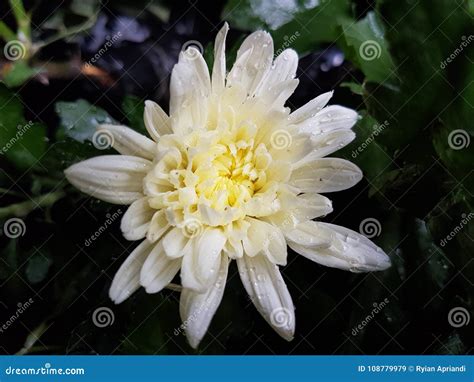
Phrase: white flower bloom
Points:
(231, 174)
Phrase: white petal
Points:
(174, 243)
(128, 142)
(190, 88)
(197, 309)
(219, 67)
(158, 270)
(127, 279)
(266, 239)
(329, 142)
(157, 122)
(337, 247)
(330, 118)
(209, 248)
(310, 109)
(158, 226)
(254, 60)
(282, 70)
(267, 290)
(296, 209)
(136, 220)
(325, 175)
(111, 178)
(201, 262)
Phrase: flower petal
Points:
(190, 88)
(157, 122)
(296, 209)
(111, 178)
(337, 247)
(174, 243)
(266, 239)
(329, 142)
(198, 309)
(127, 279)
(136, 220)
(267, 290)
(330, 118)
(158, 270)
(201, 262)
(219, 66)
(282, 70)
(324, 175)
(158, 226)
(310, 109)
(254, 59)
(128, 142)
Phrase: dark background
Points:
(416, 185)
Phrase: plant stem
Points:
(24, 208)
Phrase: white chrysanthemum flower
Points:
(231, 174)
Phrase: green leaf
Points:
(21, 142)
(353, 87)
(19, 73)
(38, 267)
(133, 108)
(299, 25)
(79, 120)
(367, 48)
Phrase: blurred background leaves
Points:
(405, 65)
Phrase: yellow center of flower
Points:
(210, 177)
